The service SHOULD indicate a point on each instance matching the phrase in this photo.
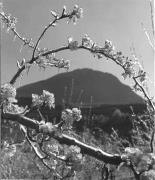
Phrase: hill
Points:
(82, 84)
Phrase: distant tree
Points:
(117, 114)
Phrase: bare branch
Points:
(148, 38)
(152, 17)
(152, 142)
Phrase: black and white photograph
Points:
(77, 89)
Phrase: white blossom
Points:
(49, 99)
(66, 114)
(36, 100)
(8, 93)
(87, 41)
(76, 14)
(52, 61)
(10, 150)
(53, 13)
(76, 113)
(69, 116)
(13, 108)
(63, 64)
(46, 98)
(108, 46)
(130, 150)
(75, 149)
(9, 21)
(73, 45)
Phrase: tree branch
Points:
(16, 34)
(46, 28)
(152, 141)
(65, 139)
(39, 154)
(100, 50)
(18, 73)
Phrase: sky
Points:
(115, 20)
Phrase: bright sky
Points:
(116, 20)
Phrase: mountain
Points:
(84, 85)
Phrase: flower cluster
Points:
(8, 93)
(53, 147)
(53, 13)
(129, 67)
(109, 47)
(13, 108)
(66, 114)
(119, 57)
(87, 41)
(61, 63)
(141, 161)
(8, 99)
(73, 45)
(75, 149)
(9, 21)
(132, 152)
(73, 154)
(52, 61)
(76, 14)
(69, 116)
(26, 41)
(133, 68)
(9, 150)
(46, 98)
(47, 127)
(95, 49)
(148, 175)
(76, 113)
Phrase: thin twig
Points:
(18, 73)
(39, 154)
(152, 141)
(16, 34)
(46, 28)
(148, 38)
(152, 17)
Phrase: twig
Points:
(148, 38)
(152, 141)
(18, 73)
(16, 34)
(39, 154)
(152, 17)
(144, 92)
(134, 78)
(136, 174)
(46, 28)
